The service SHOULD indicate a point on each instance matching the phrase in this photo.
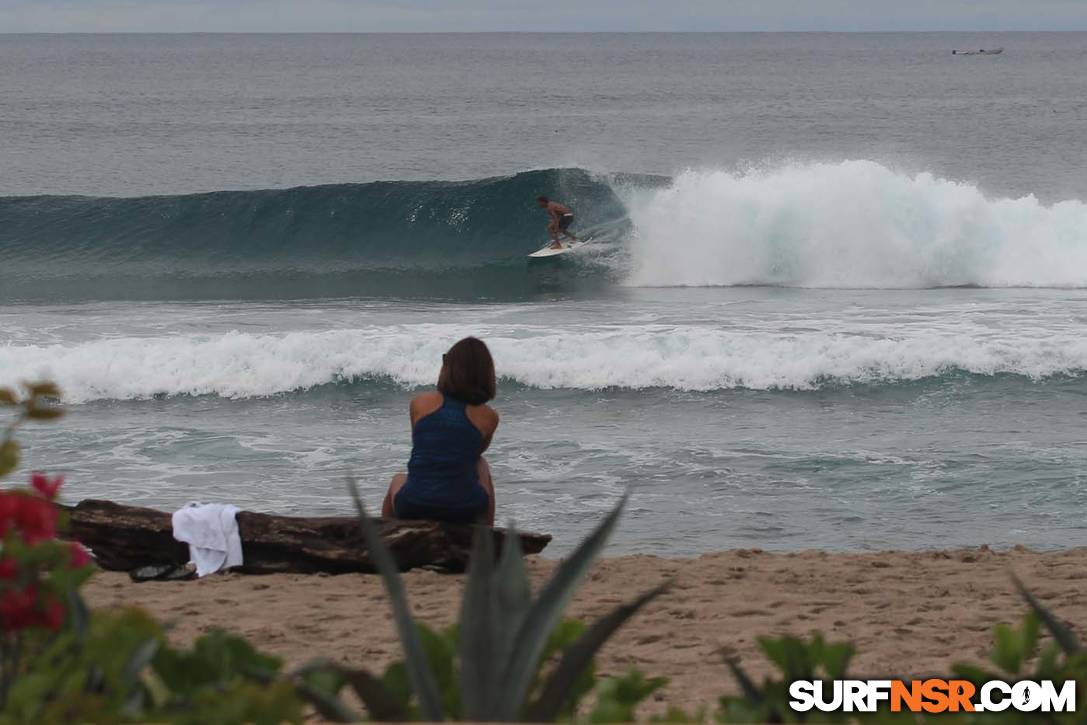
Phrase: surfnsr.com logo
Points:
(932, 696)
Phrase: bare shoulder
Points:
(484, 417)
(427, 399)
(424, 404)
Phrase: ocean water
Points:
(835, 295)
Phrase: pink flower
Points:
(9, 507)
(52, 616)
(80, 557)
(45, 486)
(21, 608)
(36, 519)
(17, 608)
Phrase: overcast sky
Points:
(20, 16)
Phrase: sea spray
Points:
(853, 224)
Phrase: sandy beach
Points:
(908, 613)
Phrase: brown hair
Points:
(468, 372)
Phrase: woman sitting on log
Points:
(448, 479)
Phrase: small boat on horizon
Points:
(983, 51)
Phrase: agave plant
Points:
(795, 659)
(501, 640)
(1019, 653)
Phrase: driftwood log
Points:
(123, 538)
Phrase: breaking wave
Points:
(382, 238)
(242, 365)
(854, 224)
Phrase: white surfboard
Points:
(550, 251)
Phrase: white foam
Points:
(239, 365)
(854, 224)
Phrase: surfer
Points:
(448, 478)
(561, 217)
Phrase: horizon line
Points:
(542, 32)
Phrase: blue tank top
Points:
(442, 470)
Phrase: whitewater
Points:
(852, 224)
(689, 358)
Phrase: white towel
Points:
(211, 532)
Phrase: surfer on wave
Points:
(561, 217)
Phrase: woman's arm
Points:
(486, 419)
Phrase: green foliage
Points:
(675, 714)
(121, 669)
(390, 697)
(617, 697)
(9, 456)
(795, 659)
(215, 657)
(83, 675)
(60, 664)
(39, 576)
(565, 635)
(512, 656)
(1013, 647)
(441, 649)
(1019, 654)
(241, 702)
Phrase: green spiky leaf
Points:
(1062, 634)
(555, 693)
(512, 597)
(619, 696)
(382, 704)
(329, 707)
(544, 614)
(422, 678)
(748, 687)
(478, 666)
